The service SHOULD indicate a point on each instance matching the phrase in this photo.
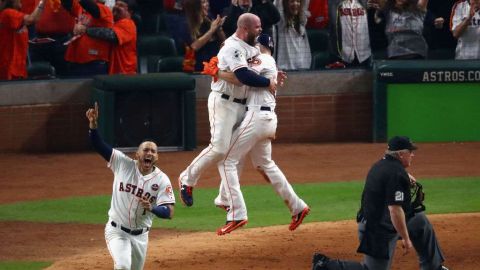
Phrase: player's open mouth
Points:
(148, 161)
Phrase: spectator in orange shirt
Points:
(88, 56)
(123, 37)
(14, 35)
(52, 35)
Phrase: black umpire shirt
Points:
(387, 184)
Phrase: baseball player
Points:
(226, 102)
(388, 215)
(255, 135)
(140, 191)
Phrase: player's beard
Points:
(251, 39)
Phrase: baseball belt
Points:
(129, 231)
(262, 108)
(236, 100)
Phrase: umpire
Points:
(387, 215)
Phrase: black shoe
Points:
(319, 261)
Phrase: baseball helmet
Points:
(266, 41)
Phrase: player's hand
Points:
(273, 86)
(406, 245)
(92, 116)
(281, 77)
(145, 203)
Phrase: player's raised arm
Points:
(98, 144)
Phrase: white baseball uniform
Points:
(254, 135)
(226, 108)
(126, 213)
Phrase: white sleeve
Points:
(165, 194)
(457, 16)
(234, 58)
(116, 160)
(270, 70)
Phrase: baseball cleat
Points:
(186, 193)
(297, 219)
(231, 226)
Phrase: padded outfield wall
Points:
(313, 106)
(430, 101)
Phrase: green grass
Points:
(329, 201)
(17, 265)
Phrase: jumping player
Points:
(255, 135)
(226, 102)
(140, 191)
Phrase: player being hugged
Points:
(140, 191)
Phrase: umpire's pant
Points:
(423, 238)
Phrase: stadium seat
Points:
(152, 23)
(151, 49)
(170, 64)
(40, 71)
(319, 40)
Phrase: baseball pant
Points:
(128, 251)
(224, 116)
(423, 237)
(254, 135)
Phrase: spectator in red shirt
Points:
(14, 35)
(123, 37)
(88, 56)
(51, 36)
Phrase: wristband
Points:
(161, 211)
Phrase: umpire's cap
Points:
(266, 41)
(398, 143)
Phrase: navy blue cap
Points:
(266, 41)
(398, 143)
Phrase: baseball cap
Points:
(398, 143)
(266, 41)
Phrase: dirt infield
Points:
(75, 246)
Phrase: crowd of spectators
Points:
(90, 37)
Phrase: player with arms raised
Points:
(140, 191)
